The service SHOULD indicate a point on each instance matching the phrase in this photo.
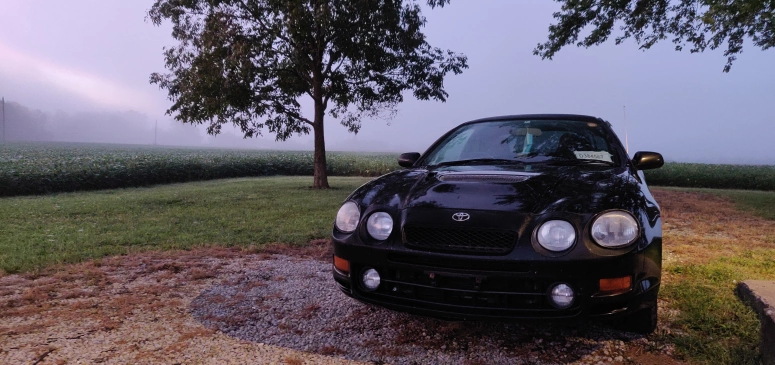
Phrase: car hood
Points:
(536, 189)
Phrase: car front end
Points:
(532, 239)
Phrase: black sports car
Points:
(513, 217)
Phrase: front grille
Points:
(460, 263)
(476, 241)
(464, 292)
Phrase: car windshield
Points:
(525, 141)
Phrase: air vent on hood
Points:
(493, 178)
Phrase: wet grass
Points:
(713, 242)
(73, 227)
(713, 239)
(715, 326)
(760, 203)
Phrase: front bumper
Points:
(462, 287)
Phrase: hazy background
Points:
(78, 71)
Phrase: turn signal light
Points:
(341, 265)
(615, 285)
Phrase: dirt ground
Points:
(135, 308)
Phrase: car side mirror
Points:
(408, 159)
(645, 160)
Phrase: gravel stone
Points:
(228, 306)
(294, 303)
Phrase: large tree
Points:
(250, 62)
(697, 24)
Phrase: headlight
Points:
(379, 225)
(556, 235)
(347, 217)
(615, 229)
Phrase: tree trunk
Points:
(321, 177)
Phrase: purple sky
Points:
(81, 55)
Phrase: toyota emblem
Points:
(460, 217)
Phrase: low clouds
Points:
(30, 73)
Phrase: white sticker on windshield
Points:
(593, 155)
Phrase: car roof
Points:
(575, 117)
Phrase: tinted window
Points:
(525, 140)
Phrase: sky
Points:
(94, 55)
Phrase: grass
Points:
(716, 327)
(760, 203)
(712, 243)
(72, 227)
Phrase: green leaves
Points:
(697, 24)
(248, 62)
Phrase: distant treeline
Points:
(41, 168)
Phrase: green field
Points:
(712, 176)
(38, 168)
(251, 212)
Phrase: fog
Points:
(78, 71)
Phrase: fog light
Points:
(370, 279)
(561, 296)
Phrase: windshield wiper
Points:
(493, 161)
(582, 161)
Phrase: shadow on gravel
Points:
(294, 303)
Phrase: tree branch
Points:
(281, 107)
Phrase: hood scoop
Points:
(482, 177)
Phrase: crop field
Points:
(696, 175)
(36, 168)
(40, 168)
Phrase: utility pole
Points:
(155, 128)
(3, 120)
(626, 138)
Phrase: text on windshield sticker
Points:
(593, 155)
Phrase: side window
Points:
(451, 149)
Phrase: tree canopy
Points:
(248, 63)
(696, 24)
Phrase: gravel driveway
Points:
(294, 303)
(231, 306)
